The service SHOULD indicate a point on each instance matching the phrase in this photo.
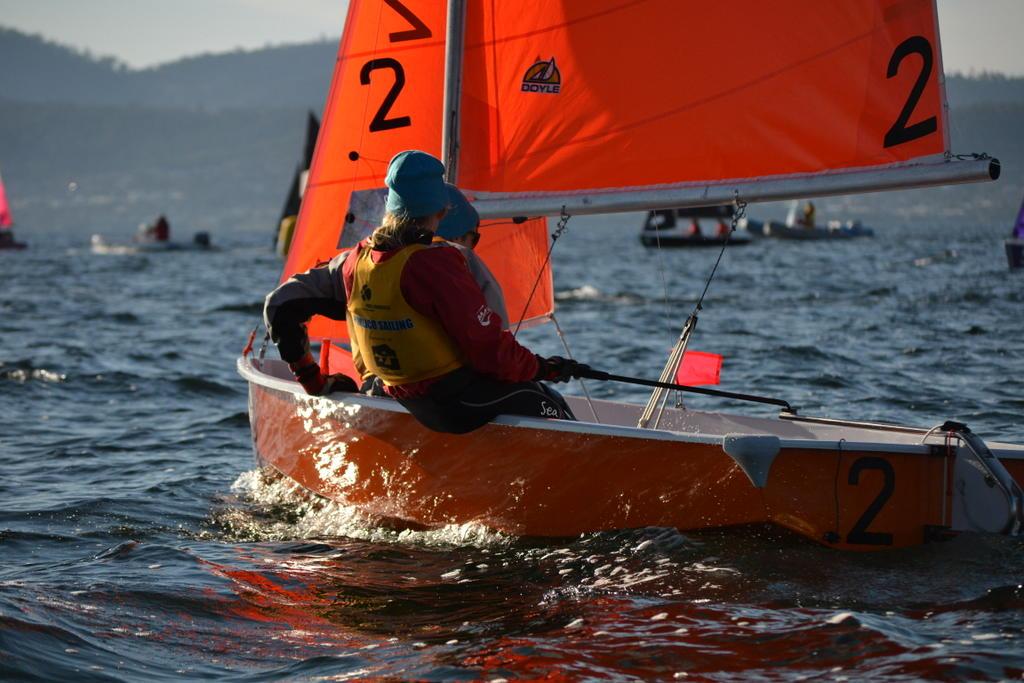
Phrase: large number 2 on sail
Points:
(419, 30)
(900, 132)
(386, 96)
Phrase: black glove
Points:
(373, 386)
(339, 382)
(558, 369)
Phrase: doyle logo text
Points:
(543, 77)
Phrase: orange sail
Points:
(387, 96)
(613, 105)
(569, 97)
(517, 257)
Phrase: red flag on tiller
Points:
(338, 360)
(699, 368)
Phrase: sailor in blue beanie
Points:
(418, 321)
(459, 228)
(461, 222)
(415, 183)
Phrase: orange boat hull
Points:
(568, 480)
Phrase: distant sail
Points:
(790, 89)
(291, 205)
(6, 219)
(298, 186)
(386, 96)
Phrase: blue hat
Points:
(415, 183)
(461, 216)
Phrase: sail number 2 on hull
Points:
(873, 512)
(859, 534)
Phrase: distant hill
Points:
(37, 70)
(281, 76)
(107, 168)
(230, 169)
(985, 88)
(289, 75)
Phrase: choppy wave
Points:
(255, 308)
(203, 385)
(24, 372)
(279, 509)
(589, 293)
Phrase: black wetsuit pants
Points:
(464, 400)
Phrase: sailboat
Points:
(7, 222)
(1015, 243)
(560, 108)
(290, 213)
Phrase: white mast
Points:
(453, 54)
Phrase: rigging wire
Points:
(562, 226)
(737, 215)
(667, 312)
(568, 352)
(664, 282)
(563, 221)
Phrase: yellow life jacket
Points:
(357, 355)
(395, 341)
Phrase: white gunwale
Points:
(813, 436)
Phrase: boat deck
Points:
(620, 419)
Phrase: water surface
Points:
(139, 542)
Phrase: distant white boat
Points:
(99, 245)
(151, 238)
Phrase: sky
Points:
(977, 35)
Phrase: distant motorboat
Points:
(200, 242)
(800, 225)
(683, 228)
(832, 230)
